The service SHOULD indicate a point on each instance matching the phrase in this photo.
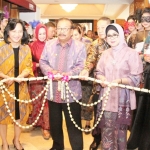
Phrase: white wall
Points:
(124, 14)
(30, 16)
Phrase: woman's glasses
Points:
(113, 36)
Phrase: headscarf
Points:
(38, 44)
(122, 42)
(111, 27)
(38, 28)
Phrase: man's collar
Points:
(67, 43)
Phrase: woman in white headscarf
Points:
(119, 64)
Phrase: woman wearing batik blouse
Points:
(16, 61)
(116, 65)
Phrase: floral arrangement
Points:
(34, 23)
(5, 12)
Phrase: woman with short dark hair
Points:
(16, 61)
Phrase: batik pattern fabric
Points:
(86, 86)
(35, 88)
(110, 67)
(114, 138)
(120, 101)
(141, 37)
(132, 41)
(95, 51)
(75, 54)
(7, 68)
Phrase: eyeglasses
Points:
(63, 29)
(114, 36)
(145, 19)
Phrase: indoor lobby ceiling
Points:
(86, 9)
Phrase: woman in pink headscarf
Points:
(122, 65)
(35, 87)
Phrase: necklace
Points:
(104, 98)
(66, 92)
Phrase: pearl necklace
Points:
(86, 78)
(3, 89)
(84, 104)
(99, 117)
(63, 90)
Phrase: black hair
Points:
(138, 14)
(2, 16)
(25, 23)
(95, 33)
(77, 27)
(111, 27)
(146, 10)
(11, 26)
(133, 17)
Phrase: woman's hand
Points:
(85, 73)
(119, 81)
(10, 80)
(18, 79)
(102, 78)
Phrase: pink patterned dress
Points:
(35, 87)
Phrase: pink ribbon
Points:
(50, 75)
(65, 78)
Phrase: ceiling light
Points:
(68, 7)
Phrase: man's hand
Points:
(85, 73)
(65, 74)
(54, 72)
(58, 78)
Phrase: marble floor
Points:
(31, 139)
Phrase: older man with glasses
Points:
(64, 56)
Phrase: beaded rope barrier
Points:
(63, 87)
